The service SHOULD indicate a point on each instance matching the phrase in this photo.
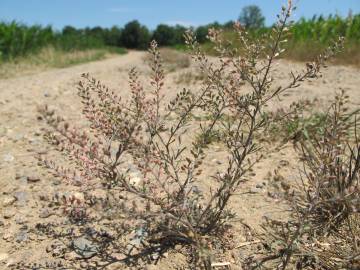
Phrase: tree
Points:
(201, 33)
(251, 17)
(113, 36)
(97, 32)
(135, 36)
(179, 34)
(69, 30)
(229, 24)
(164, 35)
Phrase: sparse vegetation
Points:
(172, 60)
(50, 57)
(301, 120)
(238, 169)
(168, 205)
(323, 228)
(190, 77)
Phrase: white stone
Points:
(3, 256)
(134, 179)
(8, 200)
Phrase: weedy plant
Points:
(171, 59)
(189, 78)
(297, 122)
(167, 205)
(301, 121)
(324, 225)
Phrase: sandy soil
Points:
(26, 188)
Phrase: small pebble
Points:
(218, 162)
(284, 163)
(33, 178)
(21, 196)
(44, 197)
(8, 236)
(20, 220)
(285, 185)
(8, 158)
(56, 182)
(85, 248)
(21, 236)
(254, 190)
(45, 213)
(8, 200)
(259, 186)
(8, 213)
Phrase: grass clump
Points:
(324, 223)
(204, 139)
(299, 121)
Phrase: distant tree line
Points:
(137, 36)
(18, 39)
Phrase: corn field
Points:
(17, 39)
(324, 30)
(308, 37)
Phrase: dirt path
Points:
(26, 189)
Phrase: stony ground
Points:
(26, 189)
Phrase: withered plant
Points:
(323, 229)
(167, 204)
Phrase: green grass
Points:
(207, 138)
(304, 50)
(180, 47)
(302, 122)
(50, 57)
(312, 124)
(309, 50)
(172, 60)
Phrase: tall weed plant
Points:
(171, 204)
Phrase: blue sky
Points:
(82, 13)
